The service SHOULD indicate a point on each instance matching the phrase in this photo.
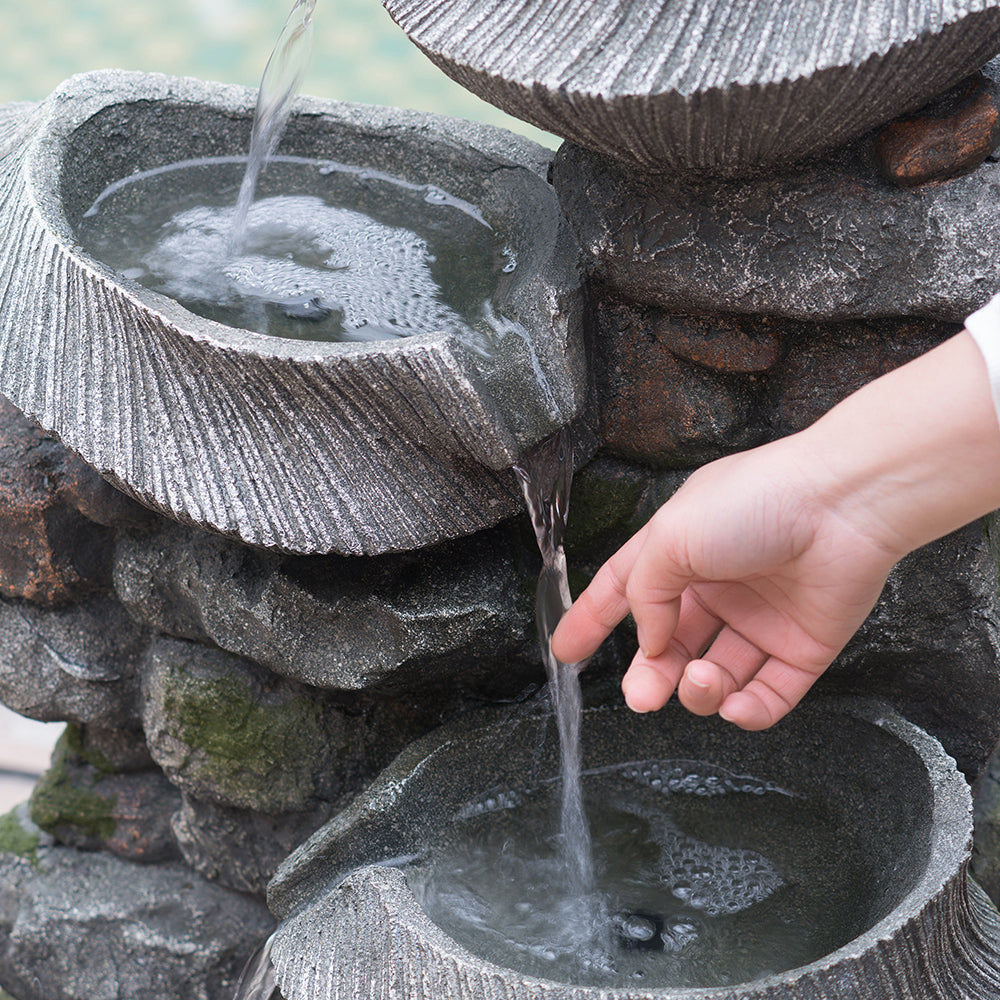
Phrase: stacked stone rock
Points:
(222, 703)
(727, 313)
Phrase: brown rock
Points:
(829, 361)
(952, 136)
(734, 344)
(658, 409)
(51, 549)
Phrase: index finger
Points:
(599, 608)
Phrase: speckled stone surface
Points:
(86, 926)
(831, 239)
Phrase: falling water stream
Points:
(545, 473)
(278, 88)
(676, 896)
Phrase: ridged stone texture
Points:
(288, 444)
(724, 86)
(354, 927)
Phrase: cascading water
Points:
(256, 981)
(545, 473)
(278, 87)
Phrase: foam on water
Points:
(330, 252)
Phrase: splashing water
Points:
(545, 473)
(278, 87)
(256, 981)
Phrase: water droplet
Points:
(310, 309)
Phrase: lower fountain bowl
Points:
(899, 813)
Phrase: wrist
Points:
(914, 454)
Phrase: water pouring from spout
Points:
(545, 473)
(278, 87)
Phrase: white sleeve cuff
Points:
(984, 325)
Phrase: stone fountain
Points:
(310, 556)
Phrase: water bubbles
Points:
(369, 256)
(678, 935)
(677, 777)
(493, 801)
(678, 901)
(308, 308)
(435, 196)
(637, 930)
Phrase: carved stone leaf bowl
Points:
(720, 86)
(299, 445)
(899, 810)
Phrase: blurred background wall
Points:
(359, 54)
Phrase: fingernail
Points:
(628, 701)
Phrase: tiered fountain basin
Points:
(726, 87)
(295, 444)
(848, 783)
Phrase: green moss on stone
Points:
(74, 736)
(602, 507)
(14, 839)
(60, 800)
(256, 752)
(610, 501)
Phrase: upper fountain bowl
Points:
(720, 86)
(303, 445)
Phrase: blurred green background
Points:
(359, 53)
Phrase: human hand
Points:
(744, 587)
(749, 581)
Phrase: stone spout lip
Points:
(295, 445)
(720, 86)
(351, 918)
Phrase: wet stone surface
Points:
(239, 848)
(78, 662)
(826, 362)
(127, 815)
(225, 729)
(55, 516)
(88, 926)
(936, 618)
(985, 864)
(675, 391)
(827, 240)
(657, 408)
(338, 622)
